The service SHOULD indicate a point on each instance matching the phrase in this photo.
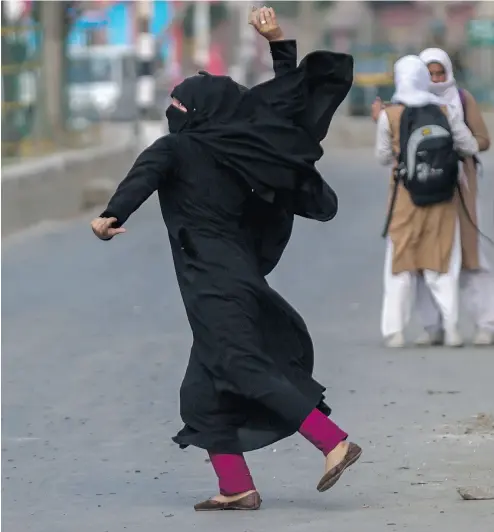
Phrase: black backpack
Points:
(428, 163)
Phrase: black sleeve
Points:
(284, 54)
(153, 166)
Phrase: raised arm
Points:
(271, 224)
(283, 52)
(150, 170)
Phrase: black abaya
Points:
(272, 223)
(248, 381)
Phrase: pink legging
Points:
(233, 473)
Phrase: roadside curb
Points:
(61, 185)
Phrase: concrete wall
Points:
(62, 185)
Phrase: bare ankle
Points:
(341, 447)
(334, 457)
(231, 498)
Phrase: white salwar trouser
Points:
(476, 292)
(400, 290)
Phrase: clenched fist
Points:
(102, 228)
(264, 21)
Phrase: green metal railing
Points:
(26, 131)
(20, 72)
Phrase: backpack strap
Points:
(397, 177)
(463, 99)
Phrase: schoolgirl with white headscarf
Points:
(477, 277)
(446, 90)
(420, 238)
(412, 83)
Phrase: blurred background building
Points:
(71, 69)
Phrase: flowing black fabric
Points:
(270, 134)
(249, 378)
(272, 225)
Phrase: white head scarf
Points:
(412, 82)
(448, 89)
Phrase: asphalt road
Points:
(95, 343)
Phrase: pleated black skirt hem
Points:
(242, 439)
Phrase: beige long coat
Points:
(469, 234)
(422, 236)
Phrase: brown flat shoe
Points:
(333, 475)
(249, 502)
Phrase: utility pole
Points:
(202, 33)
(145, 88)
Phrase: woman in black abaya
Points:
(249, 378)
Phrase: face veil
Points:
(177, 119)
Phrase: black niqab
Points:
(177, 119)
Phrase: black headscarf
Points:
(208, 100)
(269, 135)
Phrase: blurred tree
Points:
(47, 117)
(17, 97)
(70, 12)
(57, 20)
